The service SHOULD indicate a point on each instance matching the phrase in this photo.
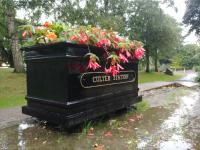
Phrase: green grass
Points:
(12, 88)
(144, 77)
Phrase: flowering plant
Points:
(117, 49)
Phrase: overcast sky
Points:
(180, 4)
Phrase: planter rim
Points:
(62, 43)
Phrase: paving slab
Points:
(11, 116)
(153, 85)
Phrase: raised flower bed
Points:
(79, 73)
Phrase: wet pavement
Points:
(189, 79)
(11, 116)
(168, 119)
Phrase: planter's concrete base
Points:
(87, 112)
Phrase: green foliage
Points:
(192, 17)
(190, 55)
(144, 77)
(86, 127)
(142, 106)
(104, 13)
(160, 33)
(176, 62)
(12, 88)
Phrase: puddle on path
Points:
(171, 123)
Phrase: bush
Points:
(197, 68)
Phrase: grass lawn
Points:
(157, 76)
(13, 89)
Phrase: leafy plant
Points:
(87, 126)
(117, 49)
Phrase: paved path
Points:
(13, 116)
(153, 85)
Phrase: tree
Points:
(168, 37)
(8, 9)
(192, 17)
(142, 16)
(158, 31)
(189, 55)
(104, 13)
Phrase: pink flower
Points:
(114, 70)
(139, 53)
(103, 42)
(123, 58)
(118, 39)
(84, 39)
(74, 38)
(93, 65)
(128, 54)
(107, 71)
(24, 34)
(119, 67)
(122, 50)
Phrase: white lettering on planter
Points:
(121, 77)
(96, 79)
(99, 79)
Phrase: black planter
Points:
(61, 90)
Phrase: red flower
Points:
(93, 65)
(108, 134)
(118, 39)
(114, 70)
(74, 38)
(139, 53)
(103, 33)
(107, 71)
(103, 42)
(123, 58)
(84, 40)
(46, 24)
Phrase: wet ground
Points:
(168, 119)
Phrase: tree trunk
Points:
(106, 2)
(156, 60)
(147, 60)
(17, 55)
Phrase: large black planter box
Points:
(61, 90)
